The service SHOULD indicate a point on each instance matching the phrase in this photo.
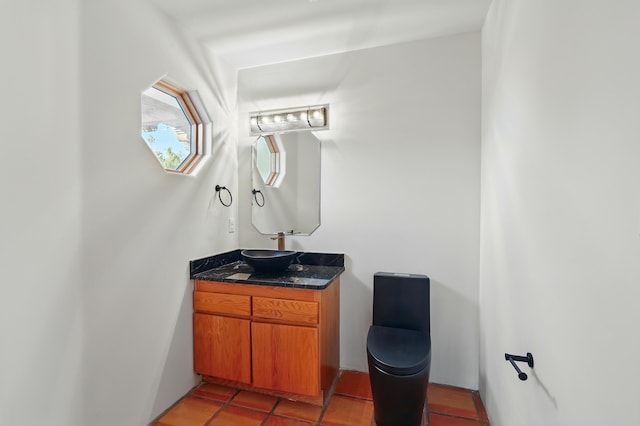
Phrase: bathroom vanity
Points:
(276, 333)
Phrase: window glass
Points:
(263, 159)
(165, 128)
(269, 160)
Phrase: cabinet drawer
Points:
(286, 310)
(220, 303)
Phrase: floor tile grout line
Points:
(258, 410)
(457, 417)
(474, 394)
(353, 396)
(324, 409)
(270, 413)
(221, 409)
(292, 417)
(267, 414)
(344, 396)
(172, 406)
(332, 392)
(470, 392)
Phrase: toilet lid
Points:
(398, 351)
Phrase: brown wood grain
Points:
(222, 347)
(222, 303)
(285, 358)
(259, 290)
(285, 309)
(330, 335)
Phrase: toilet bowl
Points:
(399, 348)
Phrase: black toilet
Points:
(399, 348)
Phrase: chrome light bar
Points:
(286, 120)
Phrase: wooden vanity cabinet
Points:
(278, 340)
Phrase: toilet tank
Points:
(402, 301)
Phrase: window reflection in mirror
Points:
(292, 199)
(270, 160)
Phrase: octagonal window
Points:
(175, 126)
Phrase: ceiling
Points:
(250, 33)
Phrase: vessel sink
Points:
(268, 260)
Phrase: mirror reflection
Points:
(270, 160)
(285, 175)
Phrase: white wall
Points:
(142, 225)
(560, 245)
(400, 180)
(41, 314)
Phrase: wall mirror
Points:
(285, 175)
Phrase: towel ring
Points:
(255, 193)
(219, 189)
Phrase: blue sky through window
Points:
(165, 137)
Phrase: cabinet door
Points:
(285, 358)
(222, 347)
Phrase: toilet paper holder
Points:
(519, 358)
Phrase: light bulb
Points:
(303, 115)
(291, 117)
(277, 118)
(317, 114)
(265, 119)
(254, 121)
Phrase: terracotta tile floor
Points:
(350, 405)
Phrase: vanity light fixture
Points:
(286, 120)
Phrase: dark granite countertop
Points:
(308, 270)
